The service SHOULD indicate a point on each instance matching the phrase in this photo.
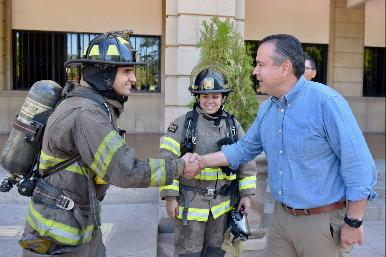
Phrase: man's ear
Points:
(287, 67)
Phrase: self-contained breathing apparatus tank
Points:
(20, 152)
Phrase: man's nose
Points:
(255, 70)
(132, 77)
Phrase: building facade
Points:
(37, 36)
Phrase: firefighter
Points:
(199, 206)
(83, 152)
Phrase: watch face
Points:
(355, 223)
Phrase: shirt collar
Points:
(293, 93)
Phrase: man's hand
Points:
(350, 236)
(244, 205)
(192, 166)
(172, 207)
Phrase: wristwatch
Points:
(354, 223)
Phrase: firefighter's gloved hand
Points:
(172, 207)
(244, 205)
(231, 245)
(192, 166)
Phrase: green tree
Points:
(219, 41)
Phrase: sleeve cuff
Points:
(357, 194)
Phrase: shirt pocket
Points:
(304, 145)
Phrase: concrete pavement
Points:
(130, 216)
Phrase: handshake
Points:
(193, 165)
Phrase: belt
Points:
(317, 210)
(224, 190)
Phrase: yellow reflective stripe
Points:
(47, 161)
(208, 174)
(94, 50)
(60, 232)
(99, 181)
(112, 50)
(158, 172)
(171, 145)
(106, 150)
(76, 168)
(194, 214)
(220, 209)
(175, 186)
(222, 175)
(247, 182)
(122, 40)
(214, 174)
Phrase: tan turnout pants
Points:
(93, 248)
(197, 234)
(315, 235)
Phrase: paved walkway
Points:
(130, 216)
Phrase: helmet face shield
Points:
(109, 49)
(238, 225)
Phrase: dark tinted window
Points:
(40, 55)
(317, 51)
(374, 83)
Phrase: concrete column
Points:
(346, 46)
(5, 44)
(183, 29)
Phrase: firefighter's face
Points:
(124, 80)
(210, 103)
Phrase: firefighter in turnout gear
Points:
(199, 206)
(83, 152)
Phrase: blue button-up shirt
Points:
(315, 149)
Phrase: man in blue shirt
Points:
(320, 170)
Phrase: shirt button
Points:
(282, 110)
(289, 105)
(281, 151)
(279, 192)
(279, 130)
(280, 172)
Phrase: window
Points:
(40, 55)
(317, 51)
(374, 83)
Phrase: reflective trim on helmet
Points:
(112, 50)
(175, 186)
(194, 214)
(94, 50)
(171, 145)
(247, 183)
(62, 233)
(122, 40)
(220, 209)
(106, 150)
(214, 174)
(158, 172)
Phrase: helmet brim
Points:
(84, 62)
(226, 90)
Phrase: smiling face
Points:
(124, 80)
(211, 103)
(267, 72)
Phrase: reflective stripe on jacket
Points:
(80, 126)
(213, 178)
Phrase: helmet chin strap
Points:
(102, 80)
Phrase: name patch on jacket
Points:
(172, 128)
